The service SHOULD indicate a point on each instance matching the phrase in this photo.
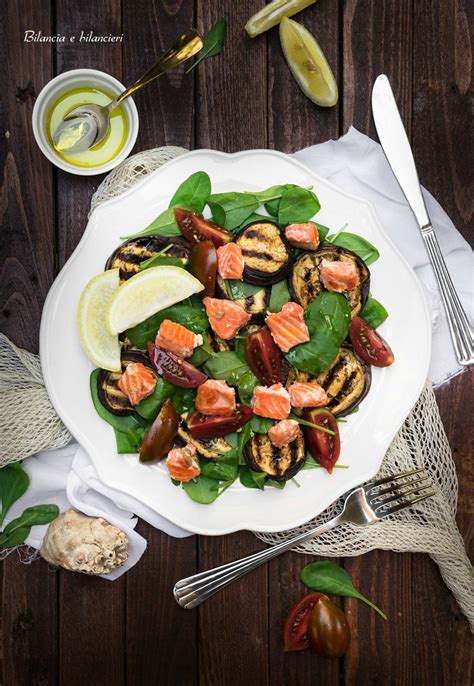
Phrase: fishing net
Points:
(430, 527)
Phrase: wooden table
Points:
(63, 628)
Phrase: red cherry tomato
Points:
(295, 633)
(160, 437)
(264, 357)
(369, 344)
(174, 369)
(202, 264)
(213, 426)
(324, 447)
(194, 228)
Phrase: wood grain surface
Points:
(66, 629)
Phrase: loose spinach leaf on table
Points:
(13, 483)
(365, 250)
(374, 312)
(328, 578)
(193, 317)
(213, 42)
(233, 208)
(279, 296)
(18, 529)
(226, 366)
(297, 205)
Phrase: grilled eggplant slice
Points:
(255, 304)
(209, 447)
(305, 281)
(110, 395)
(346, 382)
(128, 255)
(280, 464)
(267, 254)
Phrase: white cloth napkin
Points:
(356, 164)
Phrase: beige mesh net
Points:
(421, 442)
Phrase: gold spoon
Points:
(87, 125)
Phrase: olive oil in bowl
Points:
(113, 142)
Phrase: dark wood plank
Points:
(161, 638)
(26, 271)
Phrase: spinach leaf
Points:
(223, 468)
(213, 42)
(123, 424)
(251, 479)
(243, 437)
(18, 529)
(273, 483)
(203, 490)
(272, 204)
(245, 386)
(260, 425)
(374, 312)
(193, 317)
(199, 356)
(126, 443)
(164, 225)
(254, 217)
(150, 406)
(226, 366)
(326, 577)
(237, 289)
(231, 209)
(322, 231)
(183, 400)
(161, 261)
(193, 192)
(297, 205)
(315, 356)
(279, 296)
(365, 250)
(13, 483)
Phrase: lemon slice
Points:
(146, 293)
(308, 64)
(273, 13)
(100, 346)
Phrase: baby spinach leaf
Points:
(237, 289)
(161, 261)
(18, 529)
(297, 205)
(365, 250)
(223, 468)
(125, 443)
(226, 366)
(193, 317)
(251, 479)
(120, 423)
(326, 577)
(245, 386)
(150, 406)
(231, 209)
(260, 425)
(273, 483)
(164, 225)
(183, 399)
(213, 42)
(272, 203)
(374, 312)
(193, 192)
(279, 296)
(322, 231)
(203, 490)
(254, 217)
(315, 356)
(13, 483)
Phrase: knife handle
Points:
(461, 331)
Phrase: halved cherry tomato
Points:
(295, 633)
(322, 446)
(202, 264)
(369, 344)
(194, 228)
(174, 369)
(328, 630)
(213, 426)
(160, 438)
(264, 357)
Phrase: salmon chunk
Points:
(304, 236)
(183, 463)
(137, 382)
(271, 401)
(177, 338)
(284, 432)
(230, 261)
(215, 397)
(288, 327)
(307, 394)
(338, 276)
(225, 317)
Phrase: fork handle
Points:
(193, 590)
(459, 327)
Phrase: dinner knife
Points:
(395, 144)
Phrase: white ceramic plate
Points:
(366, 435)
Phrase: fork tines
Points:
(396, 491)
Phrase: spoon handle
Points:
(187, 45)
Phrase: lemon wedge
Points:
(308, 63)
(102, 348)
(146, 293)
(273, 13)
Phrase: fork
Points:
(363, 506)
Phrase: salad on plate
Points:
(231, 347)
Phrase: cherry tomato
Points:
(264, 357)
(213, 426)
(323, 447)
(295, 634)
(194, 228)
(369, 344)
(202, 264)
(174, 369)
(160, 438)
(328, 630)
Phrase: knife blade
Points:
(397, 149)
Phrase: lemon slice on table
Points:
(308, 63)
(270, 15)
(100, 346)
(147, 293)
